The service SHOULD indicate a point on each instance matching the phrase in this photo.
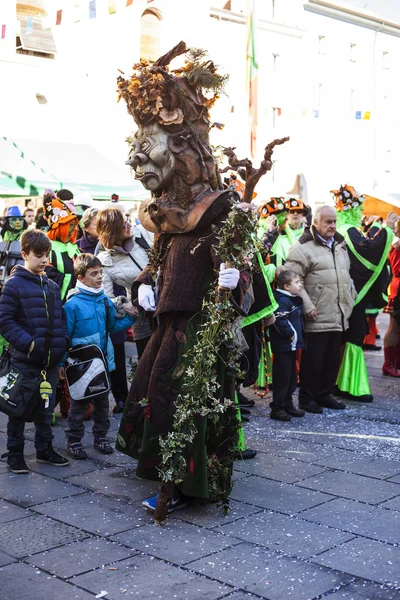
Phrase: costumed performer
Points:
(14, 225)
(172, 158)
(368, 257)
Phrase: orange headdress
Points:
(347, 198)
(60, 219)
(295, 205)
(273, 207)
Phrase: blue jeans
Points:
(43, 433)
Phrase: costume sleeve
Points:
(394, 258)
(370, 248)
(53, 273)
(298, 261)
(10, 329)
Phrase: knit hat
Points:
(347, 198)
(273, 207)
(65, 194)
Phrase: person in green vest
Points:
(368, 258)
(63, 231)
(14, 225)
(272, 218)
(295, 220)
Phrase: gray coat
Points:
(122, 266)
(328, 287)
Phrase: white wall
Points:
(335, 148)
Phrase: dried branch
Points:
(245, 169)
(177, 50)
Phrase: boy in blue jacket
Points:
(26, 301)
(286, 336)
(85, 312)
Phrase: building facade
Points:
(327, 77)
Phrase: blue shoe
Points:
(175, 504)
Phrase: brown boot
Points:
(389, 366)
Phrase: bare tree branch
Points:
(245, 169)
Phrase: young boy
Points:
(286, 335)
(25, 324)
(85, 312)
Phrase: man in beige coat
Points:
(321, 259)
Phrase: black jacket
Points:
(24, 318)
(288, 323)
(370, 248)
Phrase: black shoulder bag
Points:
(86, 373)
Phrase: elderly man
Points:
(321, 259)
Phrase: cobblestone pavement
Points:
(316, 514)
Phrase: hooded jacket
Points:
(288, 323)
(85, 314)
(325, 273)
(24, 318)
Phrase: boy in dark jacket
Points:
(286, 335)
(26, 301)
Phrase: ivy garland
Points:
(199, 392)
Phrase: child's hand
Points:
(130, 310)
(61, 373)
(269, 321)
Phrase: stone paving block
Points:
(5, 559)
(268, 574)
(285, 469)
(24, 582)
(285, 534)
(395, 479)
(146, 578)
(365, 558)
(10, 512)
(177, 542)
(117, 459)
(212, 515)
(28, 490)
(27, 536)
(117, 482)
(371, 466)
(80, 557)
(269, 494)
(239, 596)
(300, 450)
(76, 467)
(236, 475)
(393, 504)
(349, 485)
(364, 590)
(96, 514)
(358, 518)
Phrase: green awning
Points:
(28, 167)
